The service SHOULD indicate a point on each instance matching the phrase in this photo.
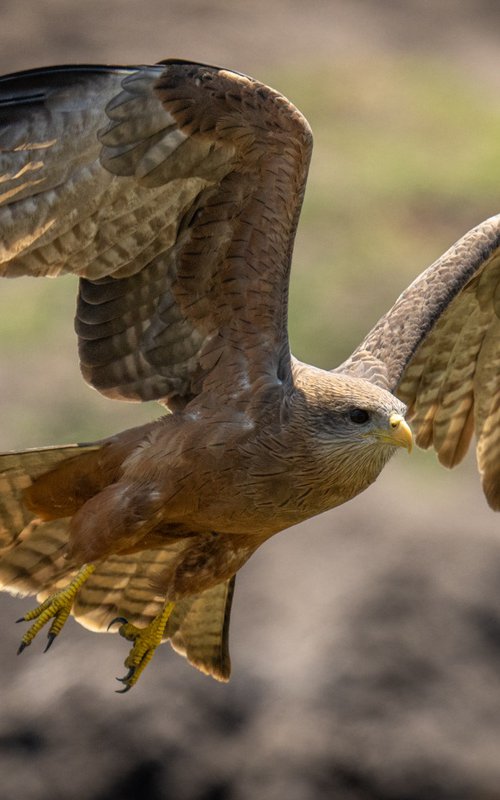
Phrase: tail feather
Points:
(123, 586)
(199, 630)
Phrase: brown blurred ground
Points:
(366, 643)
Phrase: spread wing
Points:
(173, 191)
(438, 349)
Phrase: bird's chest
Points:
(255, 489)
(233, 479)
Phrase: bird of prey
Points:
(173, 192)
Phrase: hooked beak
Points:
(399, 433)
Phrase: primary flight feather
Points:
(173, 191)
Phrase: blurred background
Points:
(365, 643)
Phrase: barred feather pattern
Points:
(452, 384)
(17, 472)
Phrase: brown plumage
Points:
(173, 192)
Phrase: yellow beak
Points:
(399, 433)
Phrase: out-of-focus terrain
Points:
(365, 643)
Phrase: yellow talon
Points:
(145, 640)
(57, 606)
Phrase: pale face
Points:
(352, 426)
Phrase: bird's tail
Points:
(32, 562)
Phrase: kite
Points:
(173, 192)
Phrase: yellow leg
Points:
(57, 606)
(145, 640)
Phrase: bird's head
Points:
(353, 425)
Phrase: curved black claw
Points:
(21, 647)
(21, 619)
(125, 689)
(121, 620)
(127, 677)
(51, 638)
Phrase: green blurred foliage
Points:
(406, 160)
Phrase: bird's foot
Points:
(145, 640)
(57, 607)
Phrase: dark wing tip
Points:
(30, 86)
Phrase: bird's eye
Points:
(359, 416)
